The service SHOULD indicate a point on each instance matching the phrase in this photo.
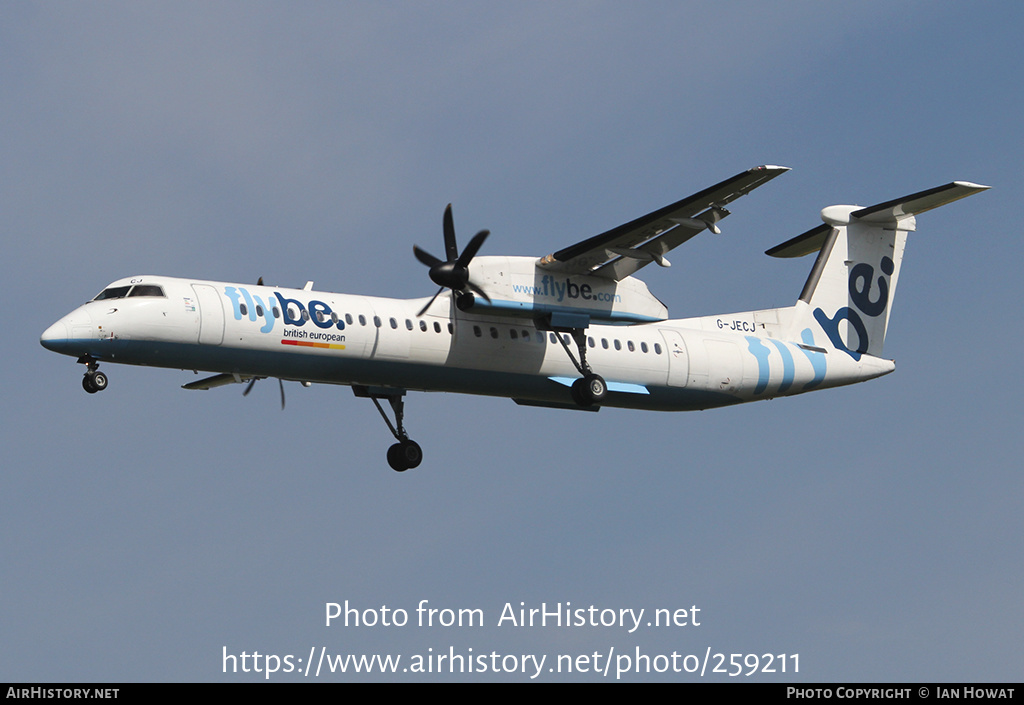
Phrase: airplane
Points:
(571, 330)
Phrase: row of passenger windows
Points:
(513, 333)
(349, 318)
(524, 335)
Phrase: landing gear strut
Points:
(406, 454)
(590, 389)
(94, 380)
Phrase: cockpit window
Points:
(146, 290)
(119, 292)
(114, 292)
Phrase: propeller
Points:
(252, 381)
(454, 272)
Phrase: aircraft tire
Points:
(87, 384)
(411, 453)
(588, 391)
(405, 455)
(597, 388)
(579, 393)
(99, 381)
(395, 459)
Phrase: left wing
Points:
(621, 251)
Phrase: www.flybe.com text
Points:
(549, 287)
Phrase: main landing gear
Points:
(591, 389)
(406, 454)
(94, 380)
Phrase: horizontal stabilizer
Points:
(810, 241)
(888, 213)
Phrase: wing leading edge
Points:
(621, 251)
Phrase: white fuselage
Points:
(319, 337)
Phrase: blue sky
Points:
(874, 530)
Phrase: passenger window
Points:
(657, 348)
(604, 343)
(408, 324)
(437, 327)
(513, 334)
(362, 320)
(590, 341)
(348, 319)
(643, 347)
(244, 309)
(376, 321)
(394, 323)
(494, 332)
(629, 344)
(423, 326)
(259, 310)
(618, 345)
(477, 332)
(277, 312)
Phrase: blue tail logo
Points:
(862, 276)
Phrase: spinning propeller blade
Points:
(248, 388)
(454, 273)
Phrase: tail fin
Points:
(849, 292)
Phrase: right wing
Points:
(621, 251)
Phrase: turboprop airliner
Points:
(571, 330)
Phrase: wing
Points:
(621, 251)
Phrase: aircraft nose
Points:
(55, 337)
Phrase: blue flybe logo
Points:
(862, 276)
(291, 311)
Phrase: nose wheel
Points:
(94, 380)
(406, 454)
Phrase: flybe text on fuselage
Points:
(550, 288)
(292, 312)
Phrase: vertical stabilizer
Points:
(848, 294)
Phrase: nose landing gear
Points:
(94, 380)
(406, 454)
